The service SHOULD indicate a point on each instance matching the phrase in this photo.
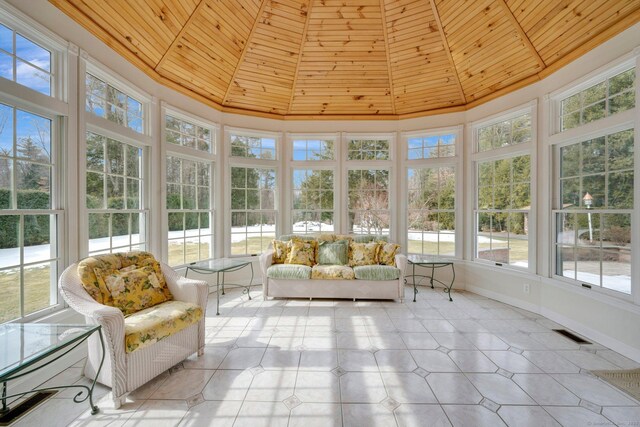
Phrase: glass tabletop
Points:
(428, 260)
(22, 344)
(220, 264)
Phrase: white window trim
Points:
(528, 148)
(101, 71)
(455, 161)
(167, 149)
(594, 77)
(18, 21)
(290, 165)
(245, 162)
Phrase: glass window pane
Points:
(33, 185)
(33, 78)
(37, 287)
(99, 232)
(6, 66)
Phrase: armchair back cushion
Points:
(136, 277)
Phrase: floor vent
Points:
(24, 407)
(573, 337)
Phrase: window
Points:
(368, 149)
(253, 147)
(610, 96)
(25, 62)
(504, 218)
(114, 186)
(187, 134)
(429, 147)
(313, 149)
(189, 210)
(253, 209)
(105, 100)
(594, 216)
(505, 133)
(29, 255)
(369, 211)
(504, 202)
(431, 210)
(313, 201)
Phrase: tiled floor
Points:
(471, 362)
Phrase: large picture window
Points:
(114, 195)
(28, 218)
(595, 212)
(431, 210)
(369, 211)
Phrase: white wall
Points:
(612, 322)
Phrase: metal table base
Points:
(433, 265)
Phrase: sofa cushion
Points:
(332, 272)
(302, 252)
(134, 288)
(155, 323)
(387, 253)
(376, 272)
(363, 253)
(280, 251)
(289, 271)
(333, 253)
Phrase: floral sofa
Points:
(333, 266)
(151, 317)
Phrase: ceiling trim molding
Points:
(436, 14)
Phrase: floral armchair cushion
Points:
(134, 289)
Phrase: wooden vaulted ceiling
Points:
(350, 58)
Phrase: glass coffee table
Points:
(219, 267)
(432, 263)
(29, 347)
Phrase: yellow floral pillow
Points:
(134, 290)
(363, 253)
(302, 252)
(280, 251)
(387, 253)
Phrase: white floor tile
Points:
(212, 414)
(434, 361)
(395, 361)
(318, 360)
(158, 413)
(571, 416)
(372, 415)
(242, 358)
(362, 387)
(594, 390)
(526, 416)
(545, 390)
(316, 415)
(407, 388)
(262, 414)
(472, 361)
(499, 389)
(317, 387)
(472, 416)
(512, 362)
(228, 385)
(357, 360)
(183, 384)
(408, 415)
(271, 386)
(453, 388)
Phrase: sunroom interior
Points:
(497, 136)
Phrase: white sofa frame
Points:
(321, 288)
(122, 371)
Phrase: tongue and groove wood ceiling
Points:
(350, 59)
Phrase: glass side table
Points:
(432, 263)
(24, 345)
(219, 267)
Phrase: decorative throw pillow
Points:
(151, 262)
(134, 290)
(387, 253)
(333, 253)
(363, 253)
(280, 251)
(302, 252)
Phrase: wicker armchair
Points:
(125, 371)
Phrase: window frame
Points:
(187, 153)
(501, 153)
(347, 165)
(455, 161)
(247, 162)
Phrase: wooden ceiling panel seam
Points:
(299, 61)
(436, 14)
(523, 36)
(179, 35)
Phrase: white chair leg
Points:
(118, 402)
(201, 352)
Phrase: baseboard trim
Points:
(615, 345)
